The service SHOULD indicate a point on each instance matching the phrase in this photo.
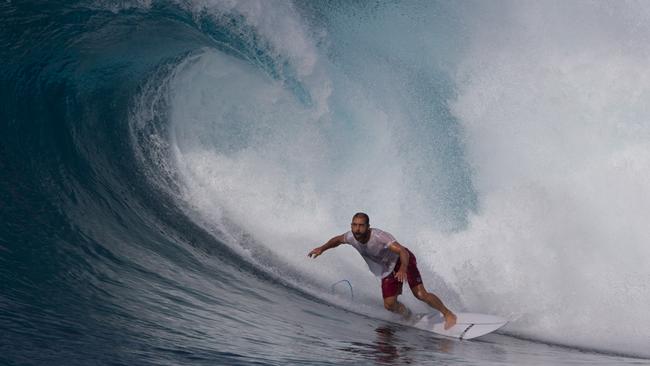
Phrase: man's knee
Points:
(421, 294)
(390, 303)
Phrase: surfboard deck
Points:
(468, 325)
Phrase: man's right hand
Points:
(315, 252)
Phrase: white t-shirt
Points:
(381, 261)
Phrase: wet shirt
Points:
(381, 261)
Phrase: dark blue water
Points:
(150, 207)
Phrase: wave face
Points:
(166, 166)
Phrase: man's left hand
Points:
(401, 275)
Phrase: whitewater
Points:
(167, 165)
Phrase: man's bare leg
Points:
(433, 301)
(391, 304)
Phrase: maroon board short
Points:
(390, 285)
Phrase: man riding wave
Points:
(390, 261)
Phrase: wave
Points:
(169, 143)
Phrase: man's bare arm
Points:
(332, 243)
(404, 257)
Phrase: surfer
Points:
(390, 261)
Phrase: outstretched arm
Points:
(332, 243)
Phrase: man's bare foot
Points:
(450, 319)
(406, 313)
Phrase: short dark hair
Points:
(362, 214)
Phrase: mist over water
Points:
(555, 124)
(184, 157)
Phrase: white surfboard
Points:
(468, 325)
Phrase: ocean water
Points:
(167, 165)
